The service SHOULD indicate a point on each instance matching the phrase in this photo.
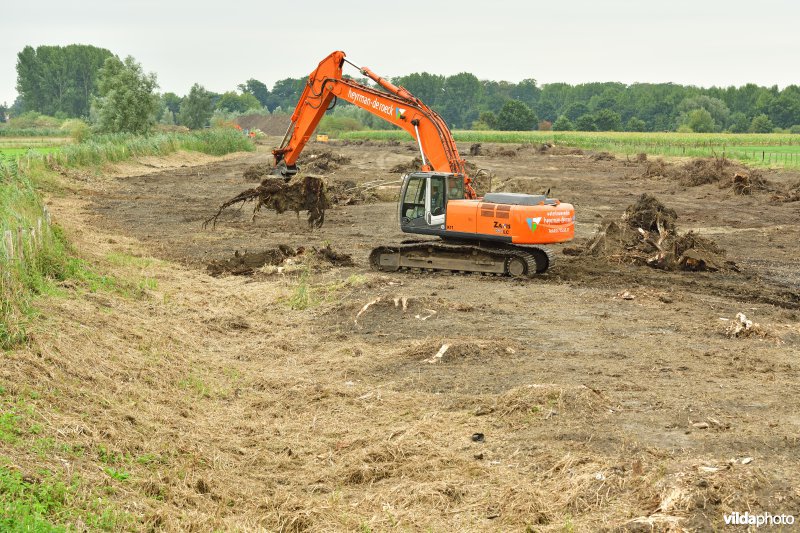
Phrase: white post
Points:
(9, 242)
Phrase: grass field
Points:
(758, 149)
(13, 147)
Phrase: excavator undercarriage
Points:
(511, 260)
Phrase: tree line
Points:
(92, 83)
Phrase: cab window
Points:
(414, 200)
(437, 195)
(455, 188)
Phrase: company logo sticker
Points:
(400, 113)
(533, 222)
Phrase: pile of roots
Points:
(647, 234)
(301, 193)
(701, 171)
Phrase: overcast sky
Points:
(221, 44)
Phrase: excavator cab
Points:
(423, 200)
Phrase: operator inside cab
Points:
(437, 197)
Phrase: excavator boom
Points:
(396, 105)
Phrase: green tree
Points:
(785, 109)
(172, 102)
(285, 94)
(257, 89)
(563, 124)
(18, 107)
(126, 100)
(167, 118)
(586, 123)
(461, 95)
(3, 112)
(738, 123)
(715, 107)
(576, 110)
(761, 124)
(700, 121)
(516, 116)
(196, 108)
(526, 91)
(56, 80)
(237, 103)
(427, 87)
(636, 124)
(486, 121)
(607, 120)
(547, 110)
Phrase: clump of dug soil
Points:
(701, 171)
(245, 264)
(415, 164)
(321, 161)
(410, 166)
(258, 171)
(790, 194)
(602, 156)
(301, 193)
(647, 234)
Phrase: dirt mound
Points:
(701, 171)
(302, 193)
(521, 185)
(321, 161)
(333, 257)
(348, 192)
(707, 170)
(506, 152)
(565, 150)
(475, 149)
(244, 264)
(257, 172)
(602, 156)
(405, 168)
(482, 181)
(790, 194)
(269, 124)
(647, 235)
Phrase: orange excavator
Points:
(501, 233)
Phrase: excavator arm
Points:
(397, 106)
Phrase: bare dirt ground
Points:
(559, 405)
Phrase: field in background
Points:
(12, 147)
(758, 149)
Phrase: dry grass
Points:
(230, 410)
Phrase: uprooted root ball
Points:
(302, 193)
(647, 235)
